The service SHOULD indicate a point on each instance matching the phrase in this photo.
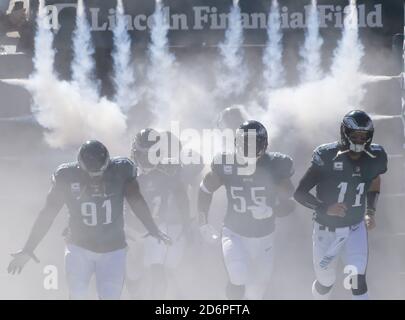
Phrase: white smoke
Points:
(161, 72)
(325, 101)
(124, 75)
(45, 57)
(273, 54)
(83, 63)
(232, 78)
(310, 67)
(348, 54)
(377, 117)
(70, 114)
(378, 78)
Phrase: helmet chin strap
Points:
(357, 148)
(360, 148)
(341, 152)
(369, 154)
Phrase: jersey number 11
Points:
(343, 189)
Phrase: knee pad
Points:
(234, 292)
(361, 287)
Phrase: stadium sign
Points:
(214, 18)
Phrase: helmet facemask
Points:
(357, 132)
(358, 140)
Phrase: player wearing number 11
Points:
(346, 175)
(93, 189)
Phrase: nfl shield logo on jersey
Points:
(357, 172)
(75, 188)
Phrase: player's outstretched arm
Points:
(371, 203)
(42, 224)
(141, 210)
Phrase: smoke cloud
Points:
(232, 77)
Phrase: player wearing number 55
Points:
(93, 189)
(256, 196)
(346, 175)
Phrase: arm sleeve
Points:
(54, 203)
(372, 195)
(139, 207)
(302, 193)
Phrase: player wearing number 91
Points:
(346, 175)
(93, 189)
(255, 197)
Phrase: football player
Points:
(231, 117)
(163, 184)
(93, 189)
(255, 197)
(346, 175)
